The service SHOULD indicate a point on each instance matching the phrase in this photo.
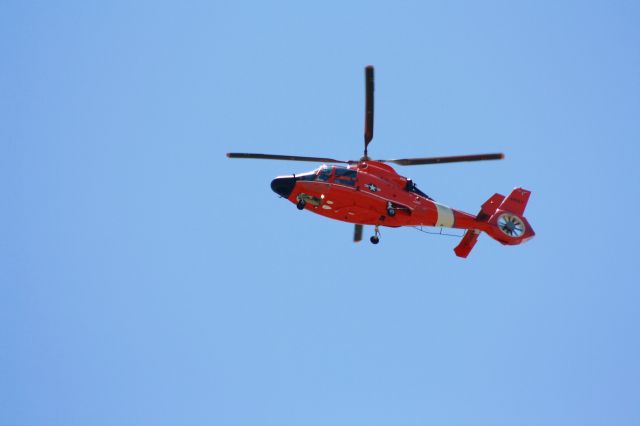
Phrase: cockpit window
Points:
(324, 173)
(343, 171)
(346, 176)
(343, 175)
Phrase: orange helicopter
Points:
(370, 192)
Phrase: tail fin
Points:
(516, 202)
(502, 218)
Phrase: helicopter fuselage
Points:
(368, 193)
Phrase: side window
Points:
(346, 176)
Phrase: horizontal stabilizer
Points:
(490, 206)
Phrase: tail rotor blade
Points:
(368, 111)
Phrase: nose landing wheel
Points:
(375, 239)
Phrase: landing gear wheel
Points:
(301, 204)
(375, 239)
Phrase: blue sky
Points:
(147, 279)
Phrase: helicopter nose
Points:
(283, 185)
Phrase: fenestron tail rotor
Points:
(511, 225)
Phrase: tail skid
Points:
(502, 218)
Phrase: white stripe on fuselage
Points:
(445, 216)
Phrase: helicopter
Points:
(371, 192)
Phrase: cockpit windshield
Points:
(321, 174)
(307, 176)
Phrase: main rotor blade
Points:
(438, 160)
(368, 109)
(357, 233)
(285, 157)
